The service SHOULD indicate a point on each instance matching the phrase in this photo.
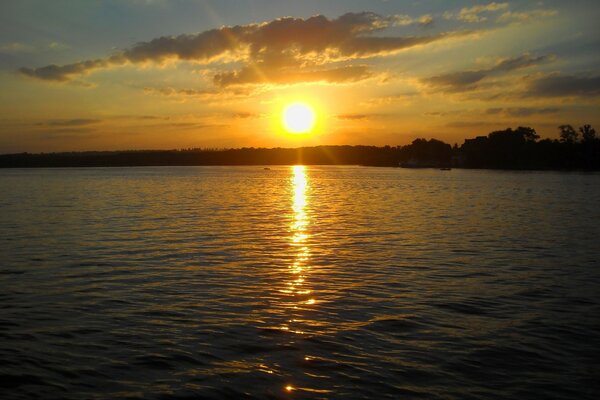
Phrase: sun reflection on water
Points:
(300, 236)
(300, 295)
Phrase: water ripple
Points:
(298, 282)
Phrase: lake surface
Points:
(299, 283)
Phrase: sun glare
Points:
(298, 118)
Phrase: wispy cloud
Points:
(406, 20)
(525, 16)
(476, 13)
(354, 117)
(170, 91)
(468, 80)
(71, 122)
(522, 111)
(245, 115)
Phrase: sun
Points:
(298, 118)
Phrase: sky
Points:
(171, 74)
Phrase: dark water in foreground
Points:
(333, 282)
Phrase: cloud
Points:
(264, 74)
(62, 73)
(522, 111)
(57, 46)
(169, 91)
(441, 113)
(149, 117)
(192, 125)
(66, 133)
(267, 51)
(71, 122)
(245, 115)
(481, 12)
(402, 20)
(210, 95)
(404, 98)
(407, 20)
(353, 117)
(523, 61)
(455, 81)
(425, 20)
(473, 14)
(525, 16)
(468, 80)
(563, 86)
(140, 117)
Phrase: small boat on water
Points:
(445, 169)
(267, 168)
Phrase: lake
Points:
(299, 282)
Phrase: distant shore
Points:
(518, 149)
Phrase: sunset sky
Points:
(149, 74)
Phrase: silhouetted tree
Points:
(508, 148)
(568, 134)
(527, 134)
(587, 133)
(427, 153)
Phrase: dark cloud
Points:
(203, 47)
(71, 122)
(457, 80)
(62, 73)
(265, 50)
(564, 86)
(468, 80)
(523, 61)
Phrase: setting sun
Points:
(298, 118)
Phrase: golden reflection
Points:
(299, 296)
(299, 234)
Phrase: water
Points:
(299, 283)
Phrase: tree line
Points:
(519, 148)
